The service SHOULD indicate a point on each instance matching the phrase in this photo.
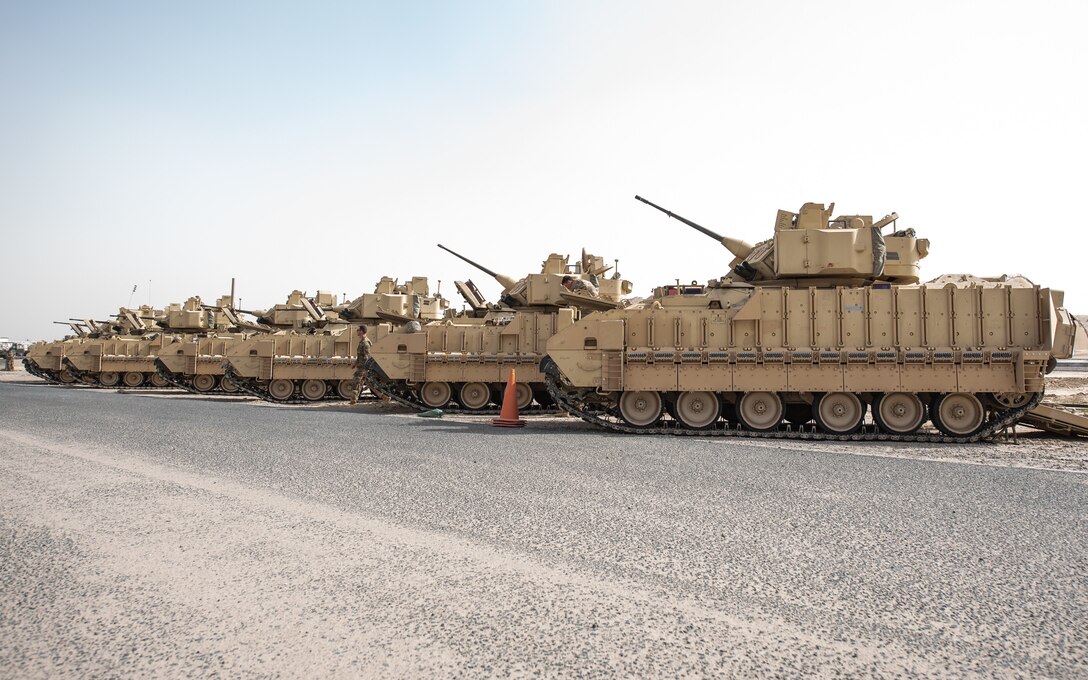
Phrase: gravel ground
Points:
(167, 534)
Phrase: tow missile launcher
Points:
(314, 361)
(815, 327)
(463, 362)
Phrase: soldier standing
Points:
(362, 353)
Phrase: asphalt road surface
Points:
(148, 535)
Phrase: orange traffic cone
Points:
(509, 416)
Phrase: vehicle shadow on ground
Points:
(483, 426)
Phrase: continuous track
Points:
(33, 369)
(569, 402)
(181, 381)
(253, 387)
(89, 379)
(383, 386)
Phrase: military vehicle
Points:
(125, 354)
(49, 360)
(814, 327)
(313, 361)
(196, 363)
(462, 363)
(45, 359)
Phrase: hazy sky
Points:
(324, 145)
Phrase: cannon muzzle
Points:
(739, 248)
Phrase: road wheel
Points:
(698, 410)
(899, 412)
(65, 377)
(760, 411)
(227, 385)
(523, 392)
(134, 379)
(346, 389)
(435, 394)
(640, 409)
(838, 412)
(109, 378)
(159, 381)
(958, 414)
(313, 389)
(281, 389)
(203, 382)
(474, 395)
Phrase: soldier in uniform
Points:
(8, 355)
(579, 286)
(362, 353)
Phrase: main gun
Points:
(505, 281)
(739, 248)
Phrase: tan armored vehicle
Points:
(50, 360)
(196, 363)
(462, 363)
(821, 323)
(313, 361)
(45, 359)
(126, 355)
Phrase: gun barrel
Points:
(697, 227)
(474, 264)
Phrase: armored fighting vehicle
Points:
(52, 361)
(462, 363)
(196, 363)
(45, 359)
(814, 327)
(126, 354)
(314, 361)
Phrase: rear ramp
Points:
(1056, 420)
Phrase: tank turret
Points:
(545, 289)
(391, 300)
(812, 248)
